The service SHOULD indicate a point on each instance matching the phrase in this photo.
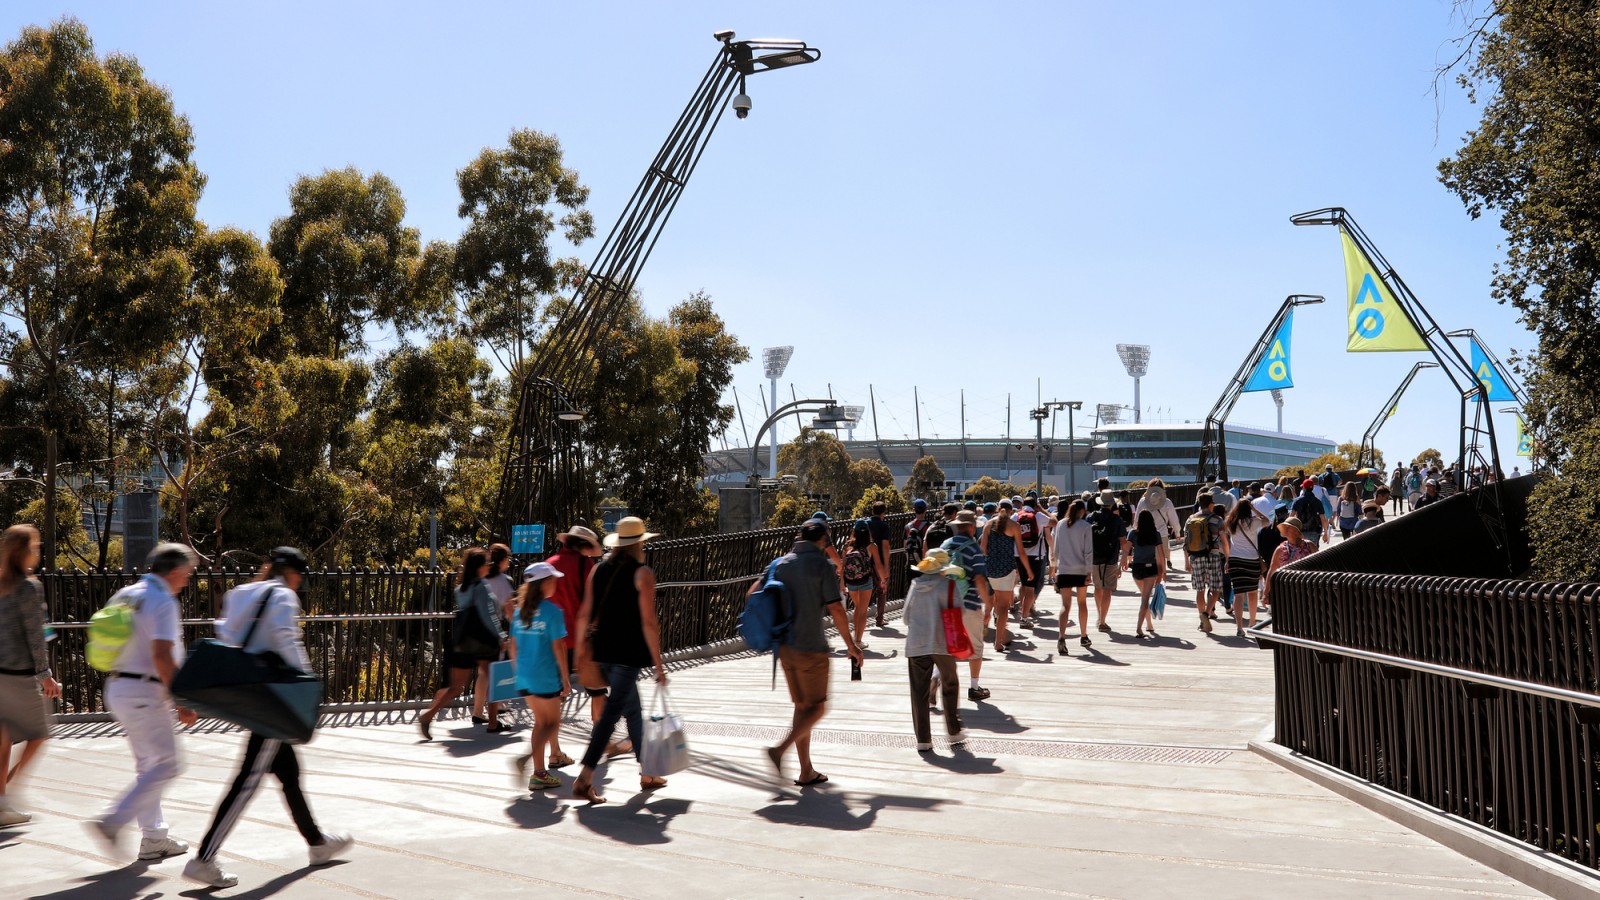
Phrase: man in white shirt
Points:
(136, 694)
(1265, 501)
(272, 599)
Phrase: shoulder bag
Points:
(588, 670)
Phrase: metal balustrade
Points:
(1406, 657)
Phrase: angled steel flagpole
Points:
(1213, 443)
(1446, 354)
(1367, 455)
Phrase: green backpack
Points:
(109, 631)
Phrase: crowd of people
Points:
(585, 619)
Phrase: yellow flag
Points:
(1376, 321)
(1392, 411)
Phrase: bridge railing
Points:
(1406, 658)
(377, 636)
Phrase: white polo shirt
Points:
(155, 618)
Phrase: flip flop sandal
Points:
(816, 779)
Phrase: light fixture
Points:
(572, 415)
(1136, 360)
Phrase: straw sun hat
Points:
(630, 530)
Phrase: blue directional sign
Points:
(527, 539)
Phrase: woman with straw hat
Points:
(1295, 546)
(928, 660)
(618, 628)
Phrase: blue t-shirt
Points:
(537, 671)
(967, 553)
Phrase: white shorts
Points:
(973, 619)
(1005, 582)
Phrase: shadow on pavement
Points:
(964, 762)
(642, 820)
(991, 718)
(132, 880)
(538, 810)
(823, 807)
(472, 741)
(268, 889)
(1092, 655)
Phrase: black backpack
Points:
(1267, 540)
(1311, 516)
(915, 546)
(1105, 542)
(937, 533)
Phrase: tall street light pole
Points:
(1136, 360)
(1045, 411)
(774, 360)
(1072, 460)
(829, 415)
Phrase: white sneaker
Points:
(161, 848)
(332, 846)
(208, 873)
(959, 738)
(9, 816)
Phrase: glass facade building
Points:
(1126, 453)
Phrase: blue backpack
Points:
(764, 624)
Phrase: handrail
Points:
(1510, 684)
(321, 617)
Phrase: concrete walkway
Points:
(1120, 772)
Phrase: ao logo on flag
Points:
(1277, 362)
(1486, 376)
(1369, 322)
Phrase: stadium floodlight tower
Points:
(853, 415)
(1277, 399)
(1107, 413)
(775, 360)
(1136, 359)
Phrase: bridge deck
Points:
(1121, 773)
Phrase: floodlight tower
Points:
(1107, 413)
(1277, 398)
(853, 415)
(1136, 359)
(775, 360)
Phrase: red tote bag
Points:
(956, 641)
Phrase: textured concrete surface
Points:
(1121, 772)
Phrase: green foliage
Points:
(926, 469)
(822, 464)
(892, 498)
(1351, 450)
(987, 489)
(514, 199)
(866, 474)
(1429, 457)
(1530, 160)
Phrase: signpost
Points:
(527, 539)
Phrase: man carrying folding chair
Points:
(262, 617)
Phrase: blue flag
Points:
(1489, 375)
(1272, 372)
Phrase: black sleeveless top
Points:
(620, 637)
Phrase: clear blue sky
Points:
(958, 196)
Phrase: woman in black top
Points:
(617, 627)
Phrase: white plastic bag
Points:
(666, 749)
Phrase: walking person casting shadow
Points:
(476, 638)
(619, 631)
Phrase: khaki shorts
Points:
(973, 619)
(806, 673)
(1106, 576)
(1005, 582)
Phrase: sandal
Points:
(651, 782)
(618, 748)
(815, 779)
(559, 760)
(585, 791)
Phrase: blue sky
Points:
(970, 196)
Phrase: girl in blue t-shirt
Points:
(537, 647)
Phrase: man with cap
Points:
(1112, 551)
(811, 588)
(916, 528)
(1430, 494)
(271, 599)
(966, 553)
(137, 697)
